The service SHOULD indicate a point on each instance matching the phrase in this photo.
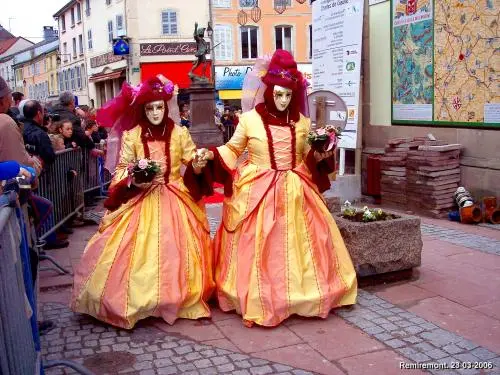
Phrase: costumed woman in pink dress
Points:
(152, 254)
(279, 251)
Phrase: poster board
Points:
(445, 63)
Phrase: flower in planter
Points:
(348, 210)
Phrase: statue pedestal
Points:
(202, 105)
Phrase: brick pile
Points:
(432, 176)
(393, 172)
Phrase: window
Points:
(80, 43)
(110, 31)
(310, 41)
(78, 78)
(66, 80)
(119, 25)
(84, 77)
(65, 52)
(108, 2)
(72, 17)
(279, 2)
(74, 47)
(61, 81)
(89, 38)
(223, 39)
(63, 23)
(169, 22)
(221, 3)
(87, 7)
(78, 12)
(52, 84)
(247, 3)
(249, 46)
(72, 73)
(283, 37)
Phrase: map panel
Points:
(466, 59)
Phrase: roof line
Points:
(64, 8)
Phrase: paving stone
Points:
(73, 339)
(227, 367)
(238, 357)
(412, 339)
(169, 345)
(413, 355)
(193, 356)
(403, 323)
(222, 351)
(380, 321)
(428, 326)
(418, 320)
(147, 372)
(389, 327)
(241, 372)
(243, 364)
(385, 313)
(121, 347)
(383, 336)
(423, 347)
(167, 370)
(177, 359)
(466, 344)
(395, 343)
(258, 362)
(440, 337)
(122, 339)
(202, 363)
(145, 357)
(106, 335)
(136, 351)
(394, 318)
(186, 367)
(436, 354)
(452, 349)
(281, 368)
(373, 330)
(164, 353)
(208, 371)
(220, 360)
(143, 365)
(483, 354)
(301, 372)
(413, 330)
(183, 349)
(87, 352)
(208, 353)
(73, 346)
(466, 357)
(163, 362)
(103, 349)
(262, 370)
(109, 341)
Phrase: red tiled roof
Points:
(6, 44)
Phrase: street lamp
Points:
(58, 59)
(210, 33)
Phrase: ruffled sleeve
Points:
(199, 185)
(319, 170)
(119, 192)
(225, 157)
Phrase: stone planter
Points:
(382, 246)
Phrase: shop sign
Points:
(105, 59)
(232, 77)
(160, 49)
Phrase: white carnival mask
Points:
(155, 111)
(282, 97)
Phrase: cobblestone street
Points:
(447, 312)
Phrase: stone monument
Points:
(202, 98)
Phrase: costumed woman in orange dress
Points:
(279, 251)
(152, 253)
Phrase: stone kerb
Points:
(382, 246)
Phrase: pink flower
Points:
(333, 142)
(142, 164)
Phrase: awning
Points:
(229, 94)
(107, 76)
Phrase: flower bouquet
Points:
(324, 139)
(143, 171)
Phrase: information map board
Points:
(446, 62)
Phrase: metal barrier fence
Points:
(228, 133)
(17, 348)
(65, 189)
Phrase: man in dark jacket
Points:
(66, 110)
(35, 135)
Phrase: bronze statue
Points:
(202, 48)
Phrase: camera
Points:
(50, 116)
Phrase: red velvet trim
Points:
(320, 170)
(199, 185)
(220, 172)
(294, 147)
(270, 146)
(120, 194)
(155, 132)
